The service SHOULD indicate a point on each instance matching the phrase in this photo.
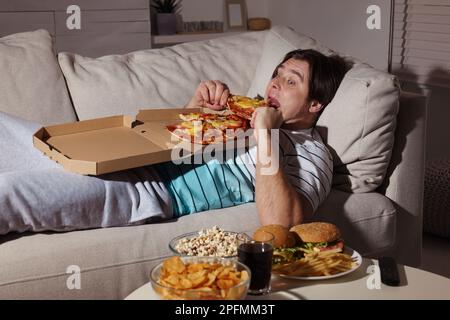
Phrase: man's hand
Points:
(211, 94)
(266, 118)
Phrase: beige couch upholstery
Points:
(379, 211)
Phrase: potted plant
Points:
(166, 15)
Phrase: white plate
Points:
(353, 253)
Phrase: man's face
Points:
(288, 90)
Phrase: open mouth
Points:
(273, 103)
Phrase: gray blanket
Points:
(36, 194)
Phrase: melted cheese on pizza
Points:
(223, 123)
(246, 102)
(190, 116)
(193, 127)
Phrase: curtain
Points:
(421, 41)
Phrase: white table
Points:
(415, 284)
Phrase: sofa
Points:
(375, 131)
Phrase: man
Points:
(301, 87)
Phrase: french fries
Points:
(200, 280)
(323, 263)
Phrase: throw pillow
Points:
(31, 83)
(158, 78)
(36, 194)
(278, 41)
(358, 125)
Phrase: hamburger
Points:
(319, 236)
(285, 249)
(283, 238)
(291, 244)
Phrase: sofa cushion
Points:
(362, 143)
(36, 194)
(31, 83)
(367, 220)
(167, 77)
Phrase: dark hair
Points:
(325, 73)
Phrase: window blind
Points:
(421, 41)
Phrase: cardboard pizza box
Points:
(104, 145)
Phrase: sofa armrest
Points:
(404, 181)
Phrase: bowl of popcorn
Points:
(200, 278)
(213, 242)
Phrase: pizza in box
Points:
(207, 128)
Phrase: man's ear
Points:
(315, 106)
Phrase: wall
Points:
(106, 27)
(197, 10)
(438, 129)
(340, 25)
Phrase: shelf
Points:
(189, 37)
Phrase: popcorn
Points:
(209, 242)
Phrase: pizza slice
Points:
(244, 106)
(206, 128)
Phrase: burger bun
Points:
(283, 238)
(317, 232)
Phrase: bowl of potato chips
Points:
(200, 278)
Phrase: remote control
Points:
(389, 271)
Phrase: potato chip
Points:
(244, 275)
(185, 283)
(196, 275)
(217, 270)
(174, 265)
(198, 278)
(195, 267)
(172, 279)
(225, 284)
(235, 276)
(224, 273)
(211, 279)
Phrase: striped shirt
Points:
(304, 159)
(307, 163)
